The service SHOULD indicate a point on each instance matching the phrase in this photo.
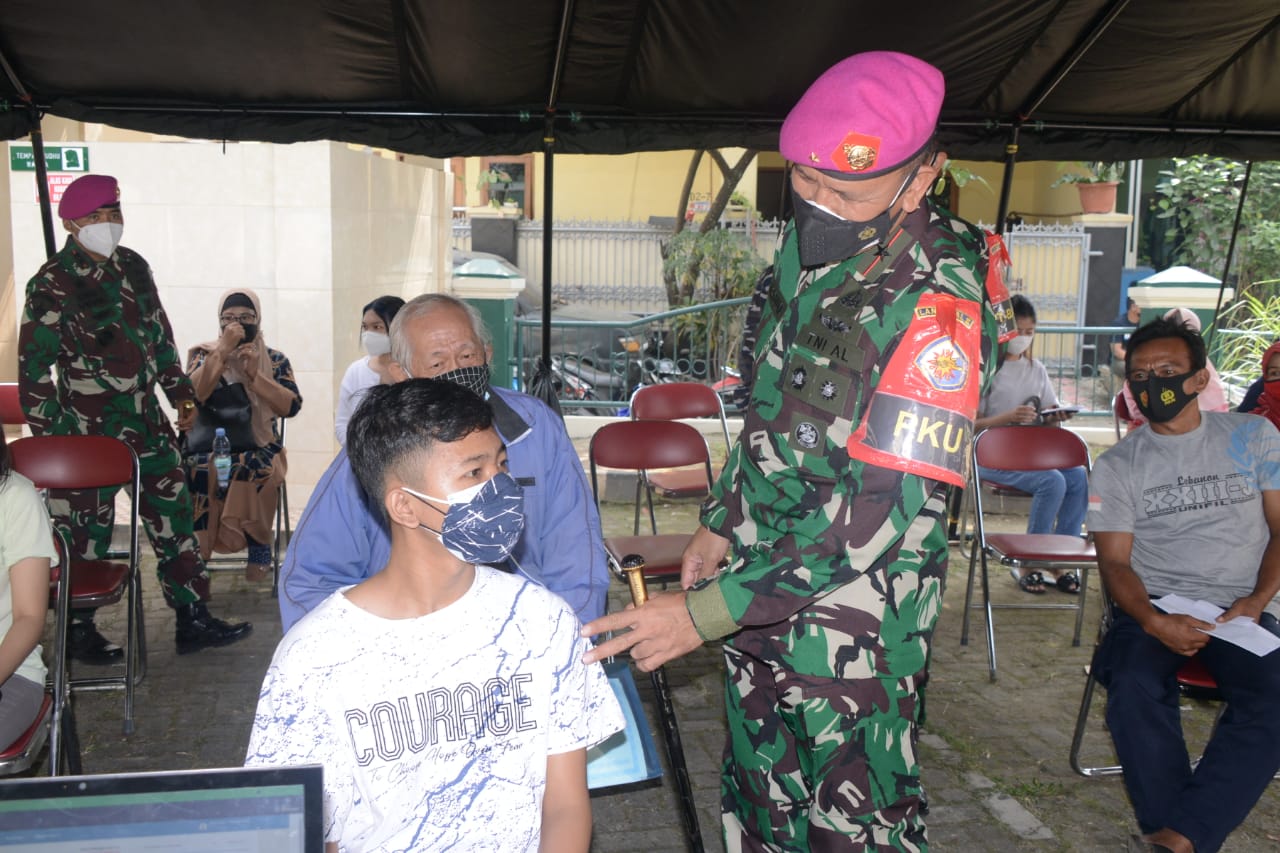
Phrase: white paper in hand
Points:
(1245, 633)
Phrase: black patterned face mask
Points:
(1161, 398)
(474, 379)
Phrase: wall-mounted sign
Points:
(57, 158)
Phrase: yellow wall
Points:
(1031, 197)
(622, 187)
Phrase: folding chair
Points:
(1194, 681)
(283, 531)
(55, 722)
(11, 413)
(94, 462)
(1025, 448)
(640, 446)
(673, 401)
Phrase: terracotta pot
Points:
(1098, 198)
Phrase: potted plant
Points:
(496, 182)
(1096, 183)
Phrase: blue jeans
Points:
(1059, 498)
(1142, 712)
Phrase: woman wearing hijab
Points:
(369, 369)
(1019, 392)
(242, 517)
(1267, 401)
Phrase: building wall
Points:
(316, 229)
(620, 187)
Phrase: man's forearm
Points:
(1127, 591)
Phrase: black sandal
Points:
(1068, 583)
(1029, 582)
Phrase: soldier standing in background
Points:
(823, 548)
(93, 314)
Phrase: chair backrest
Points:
(1030, 448)
(639, 445)
(74, 461)
(673, 401)
(11, 413)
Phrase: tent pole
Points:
(1231, 250)
(42, 185)
(548, 196)
(1006, 184)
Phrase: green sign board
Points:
(57, 158)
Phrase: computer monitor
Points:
(250, 809)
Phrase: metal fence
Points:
(615, 265)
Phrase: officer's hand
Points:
(702, 557)
(660, 630)
(1180, 633)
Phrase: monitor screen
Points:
(251, 809)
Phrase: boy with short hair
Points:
(446, 699)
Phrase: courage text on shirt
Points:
(389, 728)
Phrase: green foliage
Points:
(709, 267)
(1197, 201)
(497, 182)
(1245, 330)
(1095, 172)
(958, 176)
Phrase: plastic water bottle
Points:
(222, 457)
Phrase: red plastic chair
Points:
(93, 462)
(675, 401)
(1025, 448)
(55, 722)
(639, 446)
(11, 413)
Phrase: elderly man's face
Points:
(443, 340)
(861, 201)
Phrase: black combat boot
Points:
(197, 630)
(86, 645)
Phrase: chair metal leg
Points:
(675, 753)
(968, 595)
(986, 610)
(1077, 737)
(1084, 590)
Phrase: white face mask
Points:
(1020, 344)
(101, 238)
(375, 343)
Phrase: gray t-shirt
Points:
(1193, 503)
(1015, 381)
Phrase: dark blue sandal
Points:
(1068, 583)
(1031, 582)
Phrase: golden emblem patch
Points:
(857, 152)
(867, 233)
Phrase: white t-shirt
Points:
(24, 532)
(359, 378)
(1193, 503)
(1015, 381)
(434, 732)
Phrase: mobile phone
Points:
(1070, 410)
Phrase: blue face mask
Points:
(483, 523)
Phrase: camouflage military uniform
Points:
(102, 327)
(836, 566)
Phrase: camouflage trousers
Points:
(819, 764)
(87, 517)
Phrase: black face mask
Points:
(250, 332)
(825, 238)
(1161, 398)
